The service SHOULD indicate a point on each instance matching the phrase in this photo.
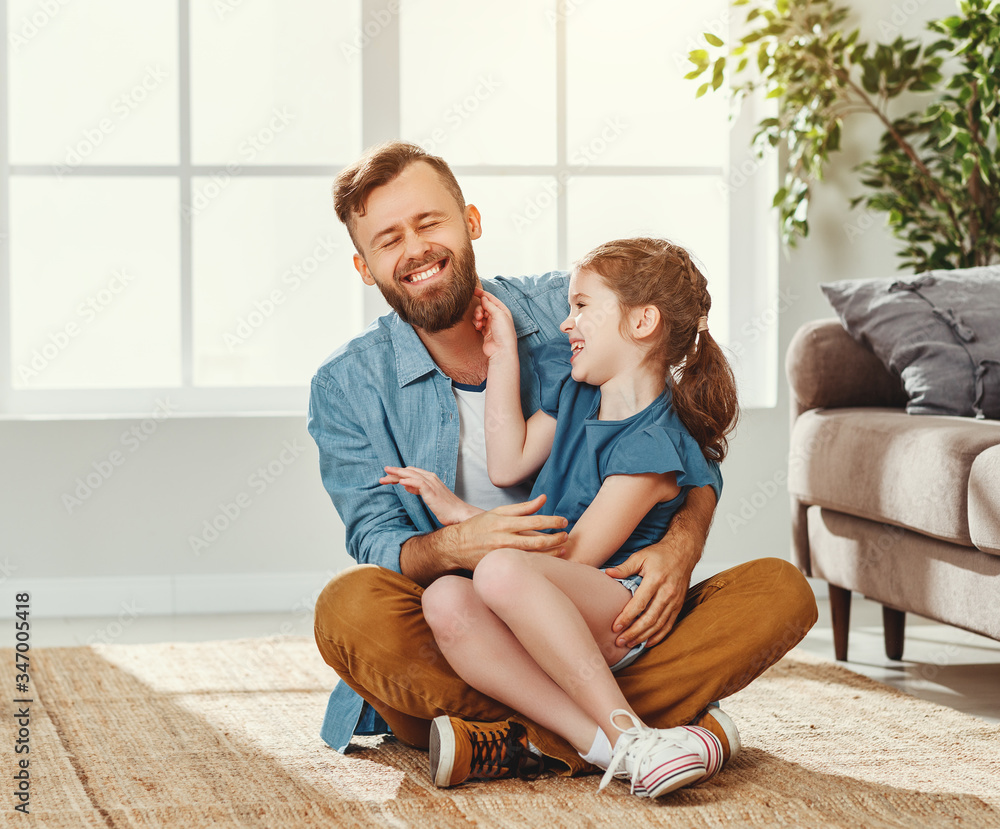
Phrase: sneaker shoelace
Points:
(497, 751)
(638, 741)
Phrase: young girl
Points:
(632, 407)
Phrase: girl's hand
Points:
(493, 318)
(447, 507)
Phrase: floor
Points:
(941, 664)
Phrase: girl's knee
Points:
(500, 576)
(446, 602)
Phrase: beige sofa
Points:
(904, 509)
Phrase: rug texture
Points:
(227, 734)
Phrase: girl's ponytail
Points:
(704, 395)
(704, 388)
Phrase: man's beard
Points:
(441, 306)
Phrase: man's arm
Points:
(459, 547)
(666, 569)
(380, 530)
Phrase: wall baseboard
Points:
(183, 595)
(167, 595)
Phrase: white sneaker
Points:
(660, 760)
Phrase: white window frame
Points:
(753, 234)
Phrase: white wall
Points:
(130, 540)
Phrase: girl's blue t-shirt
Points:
(586, 450)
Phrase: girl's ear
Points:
(645, 321)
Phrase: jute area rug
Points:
(226, 734)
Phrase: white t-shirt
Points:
(472, 480)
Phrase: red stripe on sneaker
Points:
(655, 779)
(713, 748)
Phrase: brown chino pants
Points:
(370, 629)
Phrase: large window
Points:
(166, 168)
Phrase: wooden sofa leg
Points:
(840, 610)
(893, 625)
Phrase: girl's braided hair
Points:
(656, 272)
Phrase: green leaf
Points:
(713, 39)
(870, 79)
(699, 56)
(718, 74)
(702, 90)
(833, 137)
(762, 59)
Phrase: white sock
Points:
(600, 751)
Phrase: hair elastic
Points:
(702, 324)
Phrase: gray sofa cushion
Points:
(883, 465)
(939, 331)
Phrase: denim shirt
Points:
(380, 400)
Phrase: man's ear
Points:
(362, 268)
(645, 321)
(473, 221)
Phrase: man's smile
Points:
(423, 275)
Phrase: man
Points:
(407, 392)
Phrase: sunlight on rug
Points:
(227, 734)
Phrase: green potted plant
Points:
(936, 172)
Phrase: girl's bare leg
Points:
(561, 612)
(557, 674)
(486, 654)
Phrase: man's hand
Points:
(666, 569)
(461, 546)
(650, 614)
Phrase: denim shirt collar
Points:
(412, 358)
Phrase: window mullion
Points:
(6, 378)
(562, 132)
(184, 149)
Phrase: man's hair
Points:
(380, 165)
